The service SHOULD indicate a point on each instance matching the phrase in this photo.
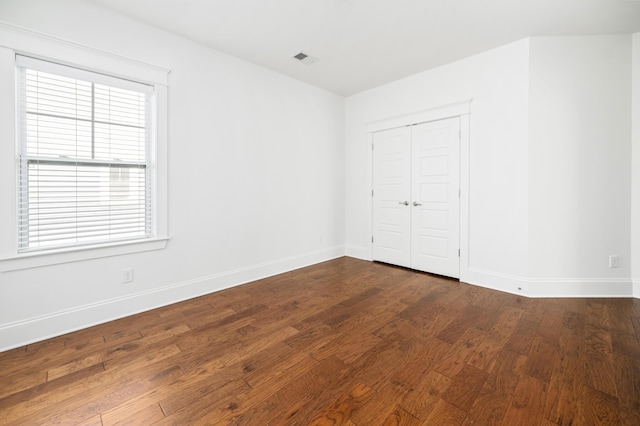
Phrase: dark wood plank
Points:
(542, 357)
(312, 388)
(453, 361)
(422, 399)
(262, 402)
(548, 327)
(599, 408)
(467, 318)
(527, 403)
(465, 387)
(522, 337)
(400, 417)
(341, 411)
(379, 407)
(446, 414)
(628, 387)
(635, 320)
(506, 323)
(564, 403)
(493, 400)
(599, 373)
(146, 416)
(625, 343)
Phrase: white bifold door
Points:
(416, 196)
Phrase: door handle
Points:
(404, 203)
(415, 204)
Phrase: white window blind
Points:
(85, 173)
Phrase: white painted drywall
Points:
(256, 172)
(497, 83)
(635, 166)
(579, 151)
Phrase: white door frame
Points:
(459, 109)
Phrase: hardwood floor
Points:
(343, 342)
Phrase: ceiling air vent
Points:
(304, 58)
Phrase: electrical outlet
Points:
(614, 261)
(127, 275)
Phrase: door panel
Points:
(418, 165)
(391, 185)
(435, 197)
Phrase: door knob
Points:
(416, 204)
(404, 203)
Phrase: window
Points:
(85, 150)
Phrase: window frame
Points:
(18, 41)
(68, 162)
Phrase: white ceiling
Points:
(362, 44)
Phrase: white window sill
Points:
(76, 254)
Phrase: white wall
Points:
(497, 83)
(579, 168)
(635, 167)
(256, 172)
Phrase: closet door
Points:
(391, 196)
(435, 197)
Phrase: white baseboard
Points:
(35, 329)
(636, 288)
(495, 281)
(553, 287)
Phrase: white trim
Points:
(635, 284)
(465, 136)
(20, 333)
(37, 259)
(551, 287)
(8, 159)
(76, 73)
(424, 116)
(29, 42)
(160, 161)
(369, 204)
(497, 281)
